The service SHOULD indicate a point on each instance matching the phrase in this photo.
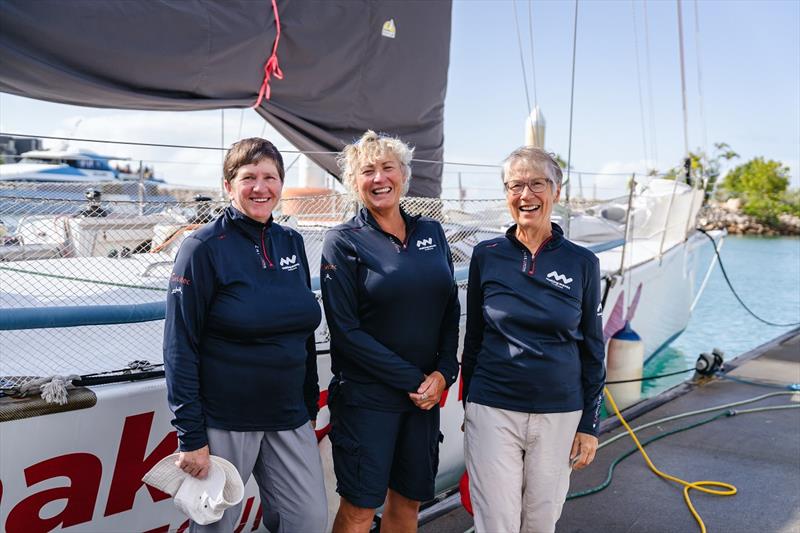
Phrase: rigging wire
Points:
(282, 150)
(521, 58)
(639, 84)
(654, 150)
(571, 109)
(683, 83)
(241, 123)
(735, 294)
(533, 62)
(703, 128)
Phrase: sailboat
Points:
(96, 322)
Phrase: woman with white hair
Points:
(392, 309)
(533, 356)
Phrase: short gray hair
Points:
(532, 158)
(368, 149)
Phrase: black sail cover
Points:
(348, 65)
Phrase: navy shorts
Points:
(376, 450)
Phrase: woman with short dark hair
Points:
(239, 348)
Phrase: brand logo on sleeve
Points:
(559, 280)
(425, 244)
(389, 29)
(289, 263)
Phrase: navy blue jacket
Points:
(239, 349)
(534, 339)
(392, 309)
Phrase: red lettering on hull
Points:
(84, 472)
(132, 464)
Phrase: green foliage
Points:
(757, 178)
(706, 167)
(762, 185)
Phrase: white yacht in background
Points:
(80, 165)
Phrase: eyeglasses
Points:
(516, 187)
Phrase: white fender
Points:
(624, 361)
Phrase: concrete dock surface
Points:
(759, 453)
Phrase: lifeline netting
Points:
(65, 257)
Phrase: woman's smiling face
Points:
(256, 189)
(380, 183)
(530, 209)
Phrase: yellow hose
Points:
(687, 486)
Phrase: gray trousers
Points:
(288, 470)
(518, 466)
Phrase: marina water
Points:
(765, 271)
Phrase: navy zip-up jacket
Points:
(534, 339)
(392, 309)
(239, 350)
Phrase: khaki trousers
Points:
(518, 465)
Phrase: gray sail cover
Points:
(347, 65)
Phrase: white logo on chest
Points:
(559, 280)
(289, 263)
(425, 244)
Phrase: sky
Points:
(624, 120)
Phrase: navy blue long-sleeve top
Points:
(391, 307)
(239, 350)
(534, 337)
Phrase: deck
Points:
(759, 453)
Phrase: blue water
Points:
(765, 271)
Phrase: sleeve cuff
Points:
(192, 442)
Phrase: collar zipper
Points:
(264, 249)
(534, 255)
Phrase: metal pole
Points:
(141, 187)
(571, 109)
(628, 234)
(460, 193)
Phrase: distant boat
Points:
(80, 165)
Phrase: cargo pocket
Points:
(346, 463)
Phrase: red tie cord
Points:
(271, 66)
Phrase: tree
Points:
(758, 178)
(762, 184)
(704, 167)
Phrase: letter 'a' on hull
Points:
(534, 128)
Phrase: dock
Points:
(758, 452)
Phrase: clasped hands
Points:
(430, 391)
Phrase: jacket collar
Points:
(554, 241)
(251, 228)
(366, 217)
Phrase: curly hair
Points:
(368, 149)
